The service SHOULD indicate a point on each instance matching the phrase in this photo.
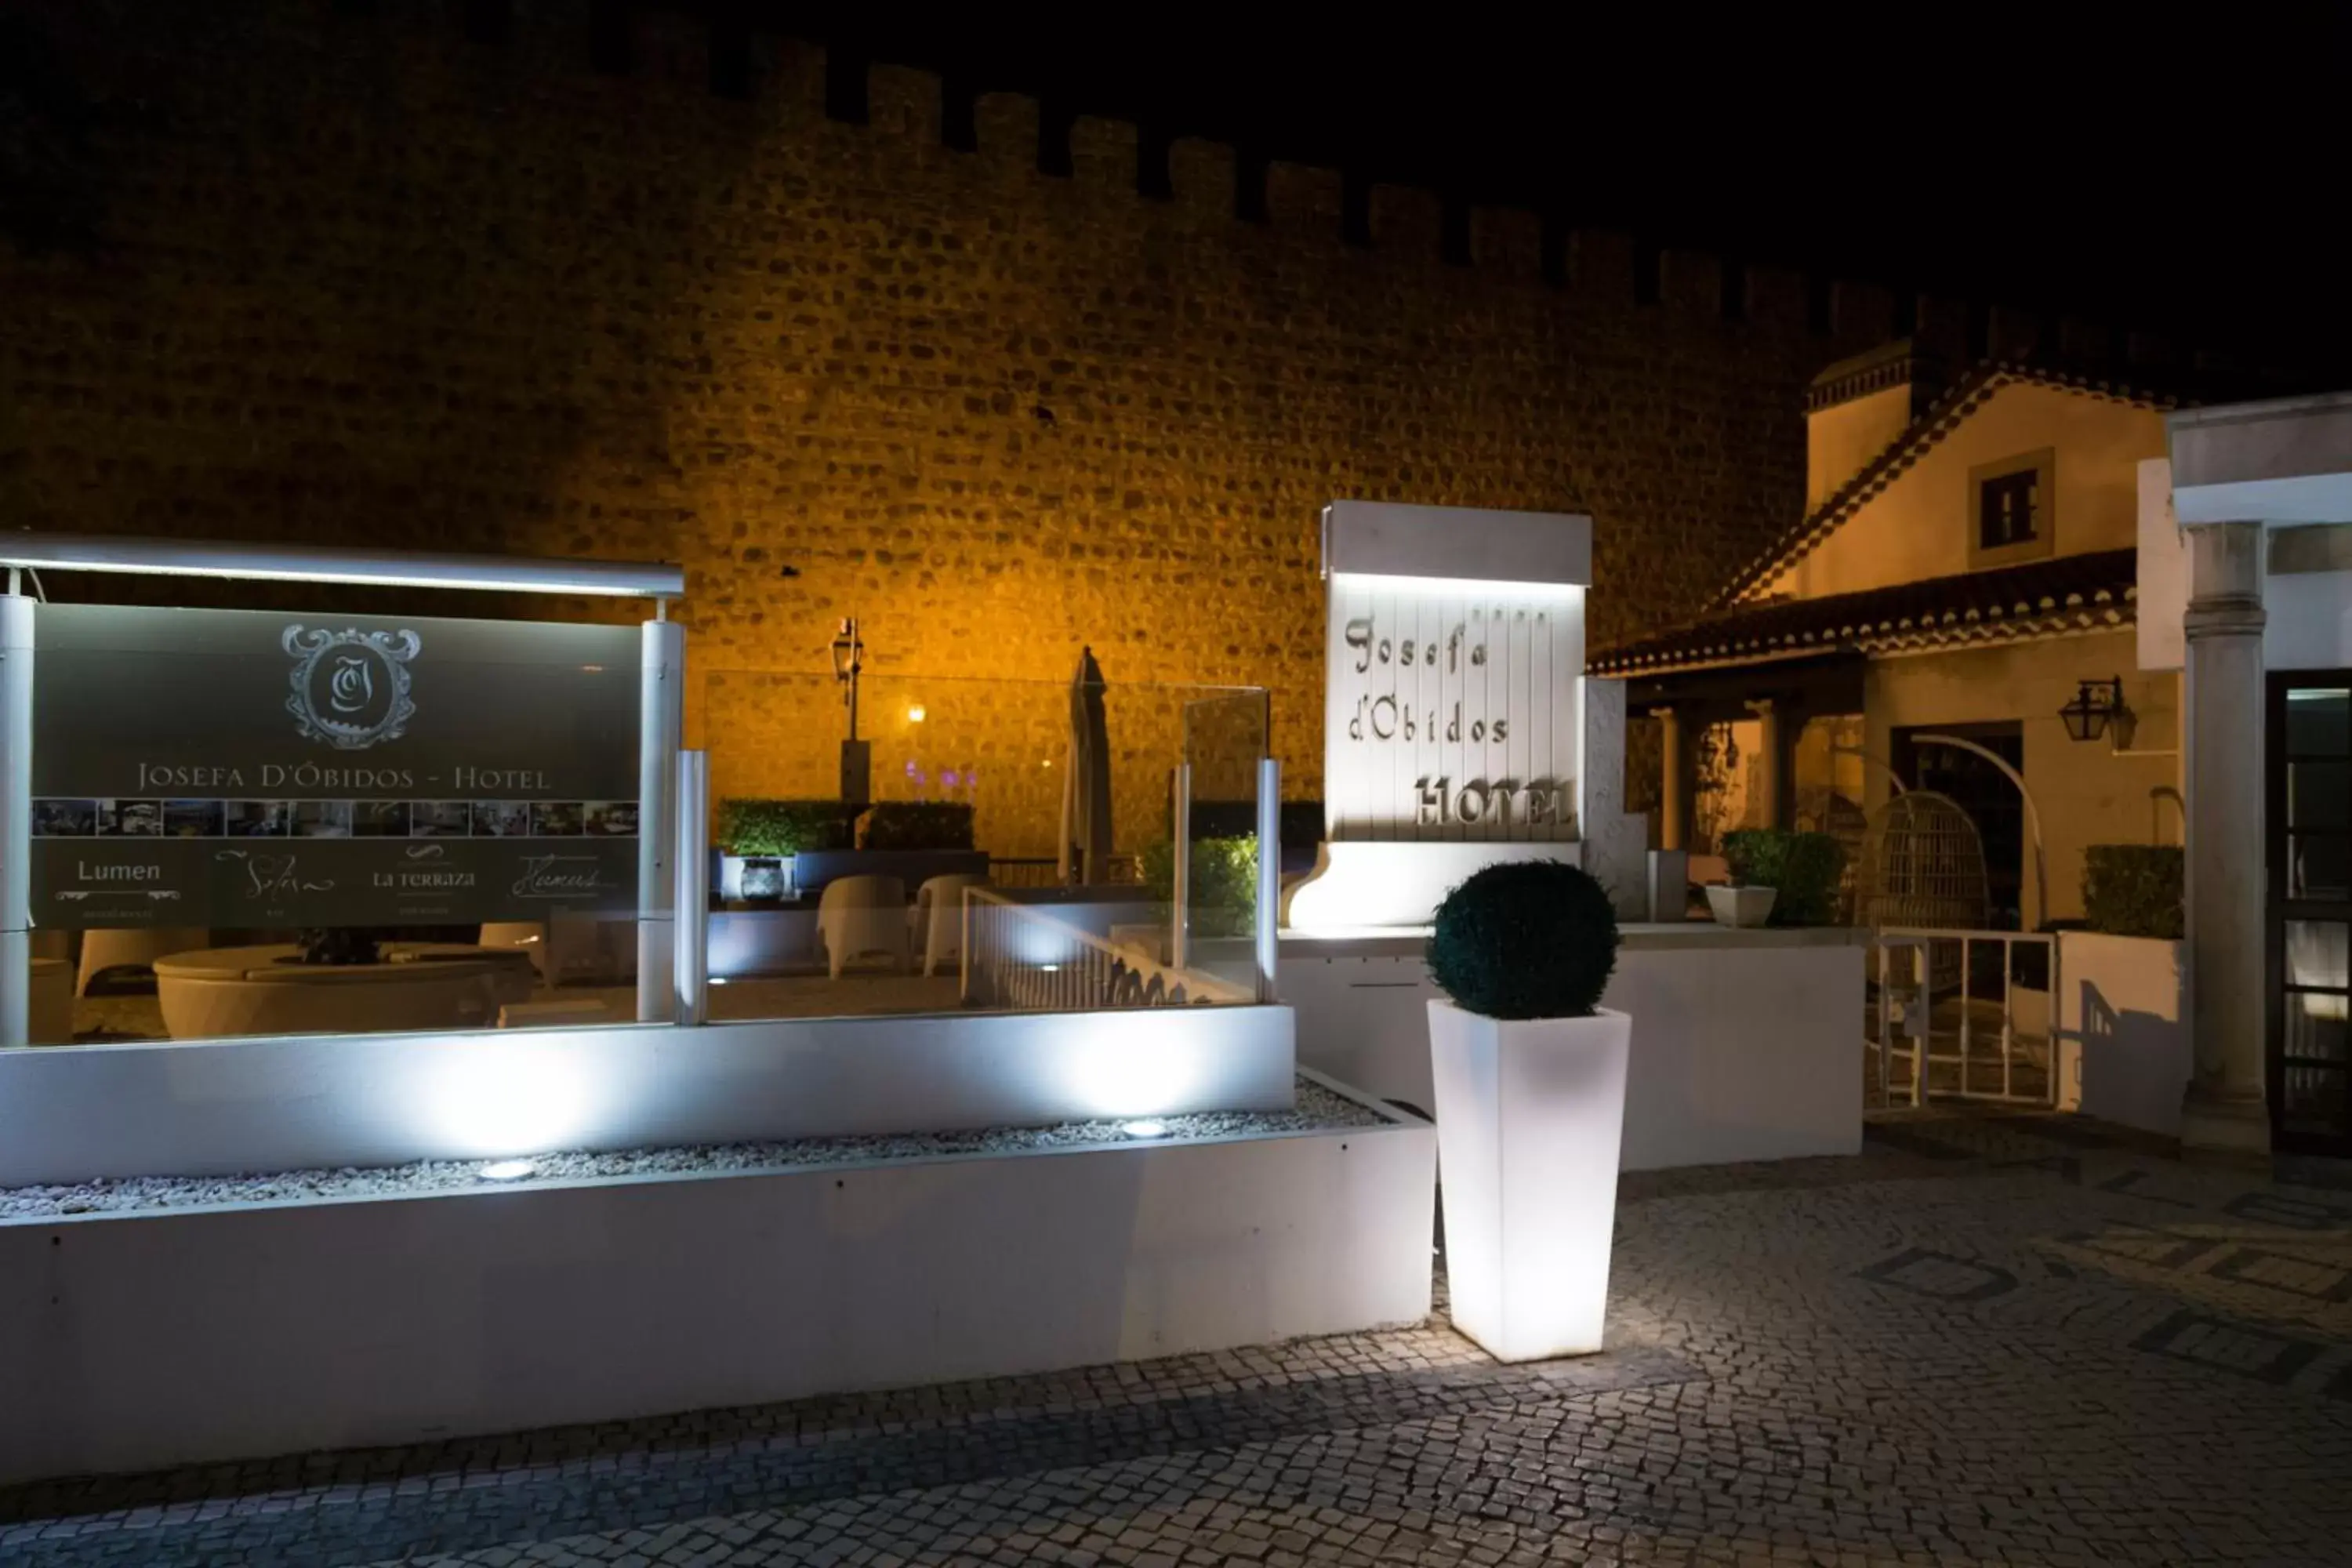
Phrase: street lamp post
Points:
(856, 755)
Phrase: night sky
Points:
(2176, 179)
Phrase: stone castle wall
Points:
(358, 277)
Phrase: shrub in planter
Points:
(1528, 1071)
(1804, 867)
(1223, 888)
(2134, 890)
(778, 827)
(916, 825)
(1527, 938)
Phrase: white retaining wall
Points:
(1748, 1044)
(206, 1107)
(138, 1342)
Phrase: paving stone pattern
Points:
(1986, 1341)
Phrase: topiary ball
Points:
(1526, 938)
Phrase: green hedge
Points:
(1224, 883)
(783, 827)
(1803, 867)
(2134, 890)
(1525, 939)
(916, 825)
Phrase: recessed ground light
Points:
(507, 1170)
(1144, 1129)
(719, 980)
(1049, 969)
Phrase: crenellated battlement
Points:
(793, 82)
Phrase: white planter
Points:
(1529, 1114)
(1740, 907)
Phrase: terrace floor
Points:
(2015, 1341)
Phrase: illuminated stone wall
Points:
(358, 277)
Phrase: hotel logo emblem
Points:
(351, 688)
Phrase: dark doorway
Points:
(1985, 794)
(2308, 920)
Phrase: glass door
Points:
(2309, 915)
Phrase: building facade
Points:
(1965, 561)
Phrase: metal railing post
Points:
(661, 725)
(1181, 914)
(16, 819)
(690, 919)
(1269, 877)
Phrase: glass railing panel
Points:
(979, 844)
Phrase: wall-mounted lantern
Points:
(2096, 704)
(848, 660)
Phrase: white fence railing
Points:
(1022, 955)
(1968, 1014)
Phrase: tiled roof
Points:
(2067, 595)
(1921, 436)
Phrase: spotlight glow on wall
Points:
(1140, 1085)
(486, 1098)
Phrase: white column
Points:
(1771, 762)
(2224, 1109)
(1675, 795)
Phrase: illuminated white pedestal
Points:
(1400, 882)
(1529, 1117)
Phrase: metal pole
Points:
(1269, 876)
(1181, 914)
(691, 926)
(661, 725)
(16, 820)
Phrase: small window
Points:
(2005, 510)
(2010, 509)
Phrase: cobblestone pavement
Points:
(1987, 1340)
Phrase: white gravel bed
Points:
(1318, 1110)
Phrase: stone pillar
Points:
(2224, 1108)
(1773, 763)
(1675, 795)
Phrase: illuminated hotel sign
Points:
(1453, 712)
(240, 769)
(1453, 703)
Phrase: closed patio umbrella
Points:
(1085, 781)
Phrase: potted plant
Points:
(1778, 877)
(1529, 1072)
(764, 836)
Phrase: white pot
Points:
(1529, 1115)
(1740, 906)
